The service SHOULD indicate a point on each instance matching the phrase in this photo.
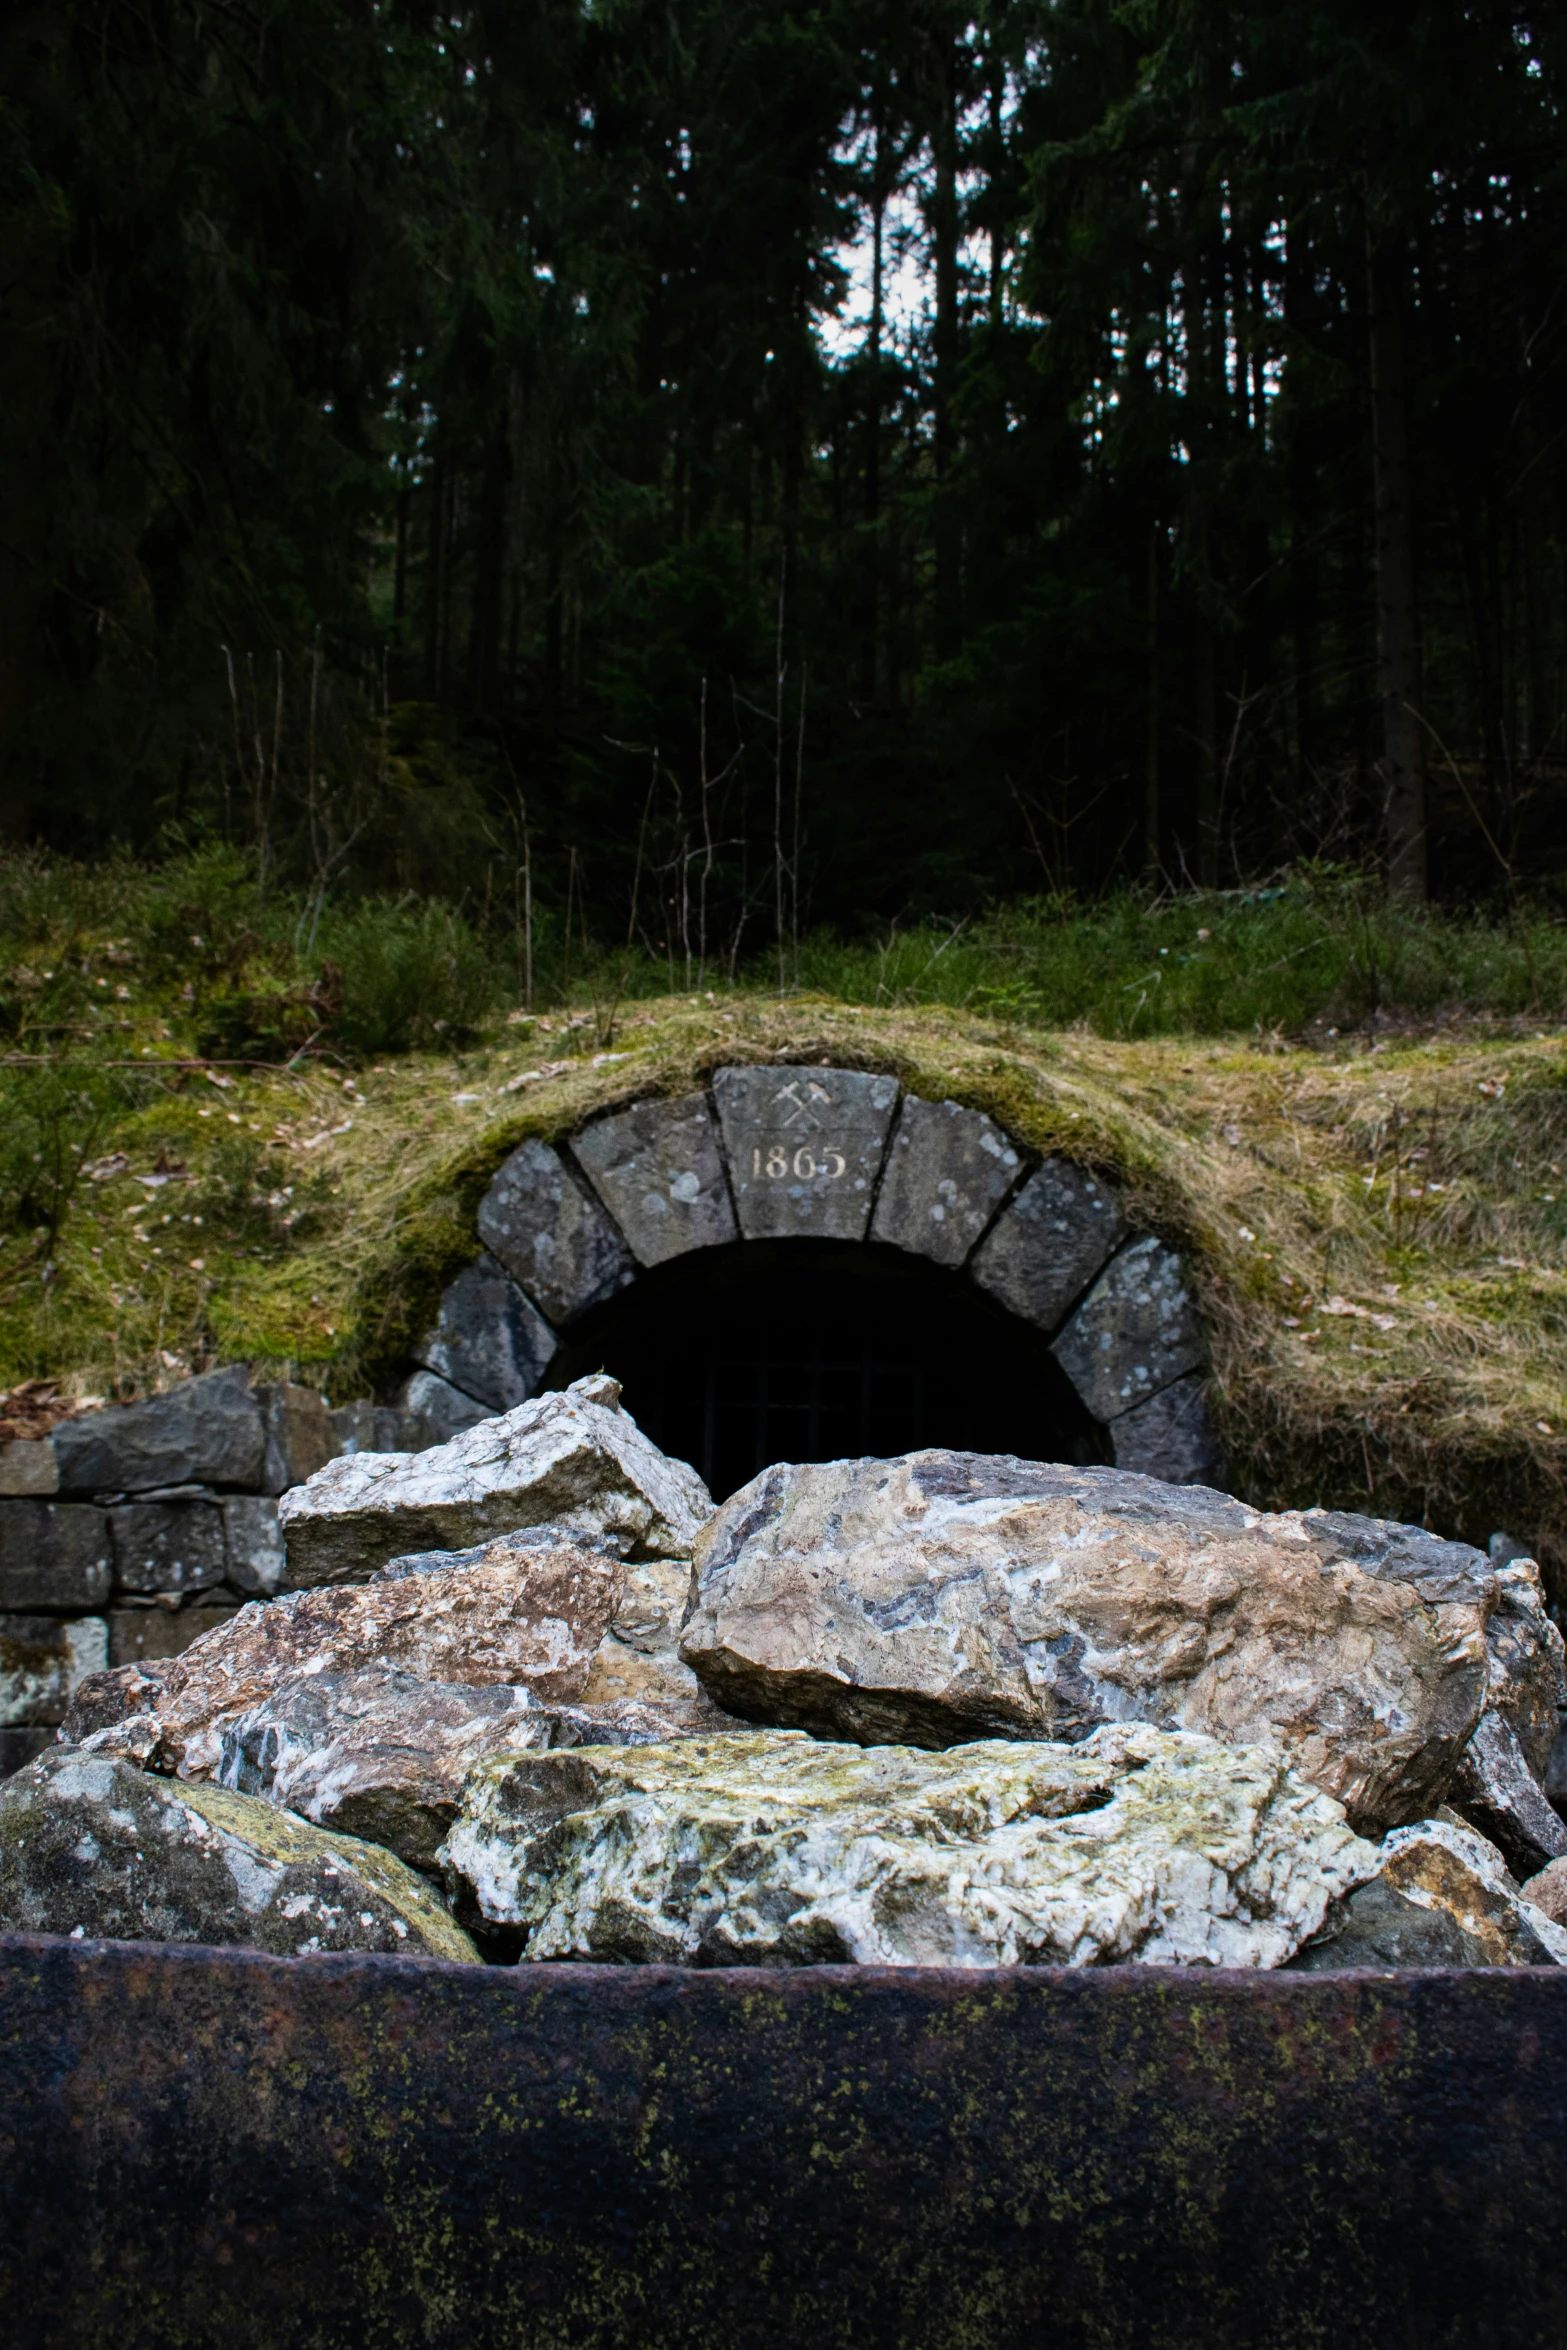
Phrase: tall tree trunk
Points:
(1151, 762)
(869, 649)
(996, 96)
(1303, 595)
(31, 361)
(1537, 730)
(489, 569)
(944, 234)
(435, 580)
(1398, 642)
(1203, 317)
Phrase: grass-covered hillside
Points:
(223, 1137)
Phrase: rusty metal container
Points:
(203, 2147)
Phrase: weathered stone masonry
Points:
(775, 1153)
(127, 1533)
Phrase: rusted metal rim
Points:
(214, 2147)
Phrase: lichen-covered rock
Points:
(573, 1460)
(89, 1845)
(531, 1609)
(773, 1850)
(948, 1169)
(659, 1170)
(552, 1235)
(1048, 1244)
(947, 1595)
(381, 1754)
(1442, 1864)
(1135, 1332)
(805, 1147)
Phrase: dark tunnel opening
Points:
(733, 1358)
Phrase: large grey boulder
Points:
(947, 1596)
(489, 1340)
(772, 1850)
(1135, 1332)
(209, 1431)
(383, 1754)
(805, 1147)
(529, 1610)
(660, 1172)
(552, 1234)
(43, 1659)
(56, 1557)
(573, 1460)
(948, 1170)
(91, 1846)
(1048, 1243)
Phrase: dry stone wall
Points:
(775, 1153)
(128, 1533)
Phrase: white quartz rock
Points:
(775, 1849)
(573, 1460)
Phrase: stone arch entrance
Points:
(811, 1262)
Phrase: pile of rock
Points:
(531, 1696)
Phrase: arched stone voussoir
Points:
(551, 1232)
(431, 1411)
(948, 1170)
(659, 1170)
(1171, 1436)
(1135, 1332)
(805, 1148)
(1048, 1243)
(490, 1341)
(783, 1151)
